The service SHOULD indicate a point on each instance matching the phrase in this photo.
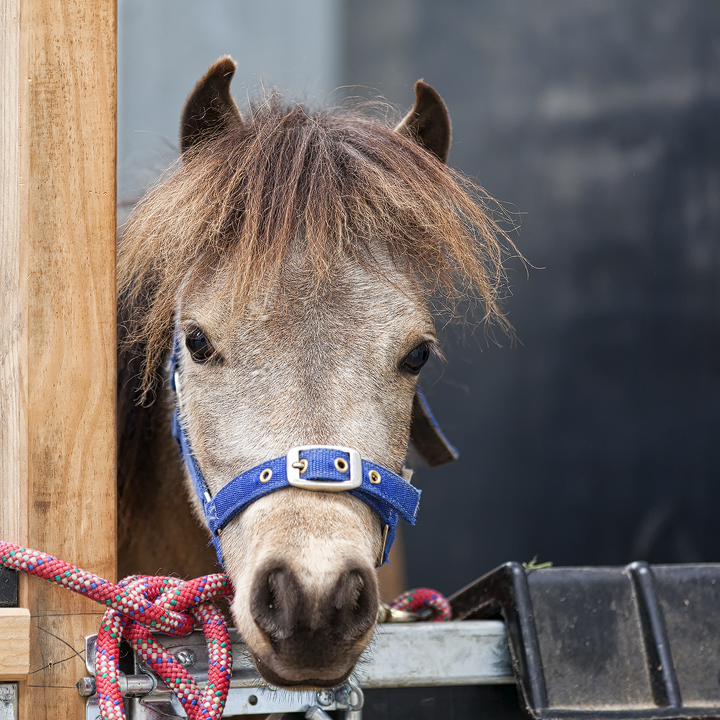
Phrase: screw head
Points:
(185, 657)
(325, 697)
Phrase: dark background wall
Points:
(595, 440)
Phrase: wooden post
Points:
(57, 310)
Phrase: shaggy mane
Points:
(332, 181)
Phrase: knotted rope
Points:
(141, 603)
(135, 606)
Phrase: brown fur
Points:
(156, 525)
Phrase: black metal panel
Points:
(466, 702)
(477, 702)
(8, 588)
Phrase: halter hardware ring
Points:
(341, 465)
(265, 475)
(375, 477)
(293, 469)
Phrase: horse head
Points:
(289, 262)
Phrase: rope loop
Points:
(136, 606)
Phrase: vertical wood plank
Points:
(57, 397)
(13, 388)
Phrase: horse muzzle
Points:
(311, 638)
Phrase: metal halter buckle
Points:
(293, 473)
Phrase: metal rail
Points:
(400, 655)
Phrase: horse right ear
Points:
(210, 109)
(428, 121)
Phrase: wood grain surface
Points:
(13, 317)
(57, 308)
(14, 643)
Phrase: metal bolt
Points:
(185, 657)
(350, 695)
(325, 697)
(86, 686)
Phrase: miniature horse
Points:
(275, 291)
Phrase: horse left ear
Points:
(428, 122)
(210, 108)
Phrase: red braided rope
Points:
(168, 605)
(162, 604)
(419, 599)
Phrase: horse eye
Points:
(415, 359)
(199, 346)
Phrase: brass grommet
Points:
(265, 475)
(341, 465)
(301, 466)
(375, 477)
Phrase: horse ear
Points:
(428, 122)
(210, 109)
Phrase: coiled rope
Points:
(135, 606)
(140, 604)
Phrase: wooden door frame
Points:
(58, 113)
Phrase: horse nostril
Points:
(276, 596)
(354, 602)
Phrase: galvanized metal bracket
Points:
(8, 701)
(400, 655)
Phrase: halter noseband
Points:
(323, 468)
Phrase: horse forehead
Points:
(353, 307)
(352, 303)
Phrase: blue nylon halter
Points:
(389, 496)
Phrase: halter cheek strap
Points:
(310, 467)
